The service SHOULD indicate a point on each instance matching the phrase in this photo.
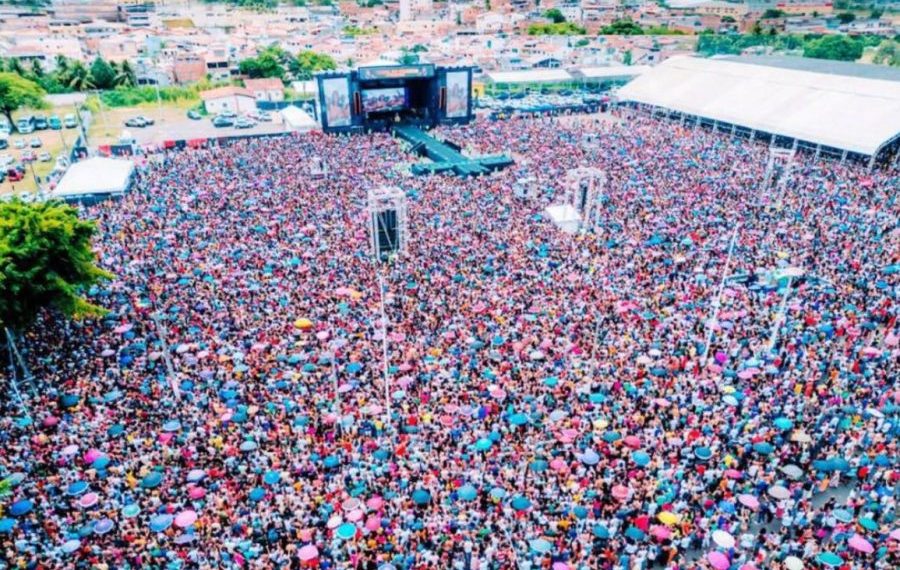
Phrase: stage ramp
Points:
(445, 157)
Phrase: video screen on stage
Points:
(380, 100)
(457, 94)
(337, 101)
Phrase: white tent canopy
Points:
(95, 177)
(565, 217)
(850, 113)
(298, 119)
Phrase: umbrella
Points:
(70, 546)
(723, 539)
(718, 560)
(130, 511)
(763, 448)
(641, 458)
(6, 525)
(518, 419)
(601, 531)
(779, 492)
(793, 563)
(703, 453)
(589, 457)
(152, 480)
(868, 524)
(829, 559)
(308, 552)
(843, 515)
(611, 436)
(76, 488)
(467, 493)
(271, 477)
(620, 492)
(541, 545)
(483, 444)
(660, 532)
(668, 518)
(860, 544)
(634, 533)
(792, 471)
(346, 531)
(749, 501)
(172, 425)
(88, 500)
(185, 519)
(801, 437)
(421, 497)
(497, 493)
(257, 493)
(520, 503)
(538, 465)
(103, 526)
(20, 508)
(159, 523)
(783, 424)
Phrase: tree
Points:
(103, 76)
(308, 62)
(555, 15)
(845, 17)
(728, 20)
(407, 57)
(17, 92)
(841, 48)
(624, 27)
(46, 261)
(125, 76)
(268, 63)
(78, 77)
(772, 13)
(627, 58)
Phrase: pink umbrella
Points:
(557, 464)
(568, 435)
(661, 532)
(88, 500)
(91, 455)
(860, 544)
(718, 560)
(50, 421)
(620, 492)
(322, 335)
(732, 473)
(662, 403)
(355, 515)
(196, 493)
(123, 329)
(308, 552)
(69, 450)
(375, 503)
(895, 534)
(632, 441)
(560, 566)
(185, 519)
(446, 420)
(749, 501)
(373, 523)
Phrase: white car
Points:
(19, 143)
(45, 157)
(6, 160)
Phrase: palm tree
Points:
(124, 75)
(78, 77)
(62, 64)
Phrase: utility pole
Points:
(718, 299)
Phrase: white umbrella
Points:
(723, 539)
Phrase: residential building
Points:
(235, 99)
(270, 89)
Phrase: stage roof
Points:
(95, 176)
(858, 114)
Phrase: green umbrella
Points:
(830, 559)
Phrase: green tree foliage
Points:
(354, 31)
(624, 27)
(773, 13)
(563, 29)
(17, 92)
(125, 76)
(888, 53)
(308, 62)
(46, 261)
(555, 15)
(842, 48)
(407, 57)
(845, 17)
(103, 76)
(268, 63)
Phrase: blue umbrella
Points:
(346, 531)
(69, 400)
(70, 546)
(271, 477)
(115, 430)
(103, 526)
(829, 559)
(6, 525)
(130, 511)
(331, 461)
(76, 488)
(257, 493)
(467, 493)
(248, 446)
(783, 424)
(634, 533)
(101, 462)
(518, 419)
(20, 508)
(152, 480)
(703, 453)
(172, 425)
(590, 457)
(597, 398)
(421, 497)
(483, 444)
(580, 511)
(763, 448)
(868, 523)
(159, 523)
(641, 458)
(498, 493)
(354, 367)
(541, 545)
(611, 436)
(843, 515)
(538, 465)
(520, 503)
(551, 381)
(601, 531)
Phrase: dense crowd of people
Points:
(707, 379)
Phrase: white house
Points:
(270, 89)
(236, 99)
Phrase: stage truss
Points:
(779, 167)
(388, 223)
(584, 188)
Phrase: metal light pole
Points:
(790, 273)
(717, 301)
(384, 347)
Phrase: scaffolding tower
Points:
(585, 188)
(388, 223)
(778, 172)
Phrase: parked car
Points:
(28, 156)
(228, 114)
(54, 123)
(19, 143)
(136, 122)
(5, 161)
(193, 115)
(4, 140)
(35, 143)
(45, 157)
(25, 125)
(15, 173)
(244, 123)
(221, 121)
(40, 122)
(147, 120)
(70, 122)
(61, 162)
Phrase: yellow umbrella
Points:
(668, 518)
(303, 324)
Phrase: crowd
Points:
(553, 400)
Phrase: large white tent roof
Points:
(298, 119)
(95, 176)
(851, 113)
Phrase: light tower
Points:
(388, 224)
(585, 187)
(778, 171)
